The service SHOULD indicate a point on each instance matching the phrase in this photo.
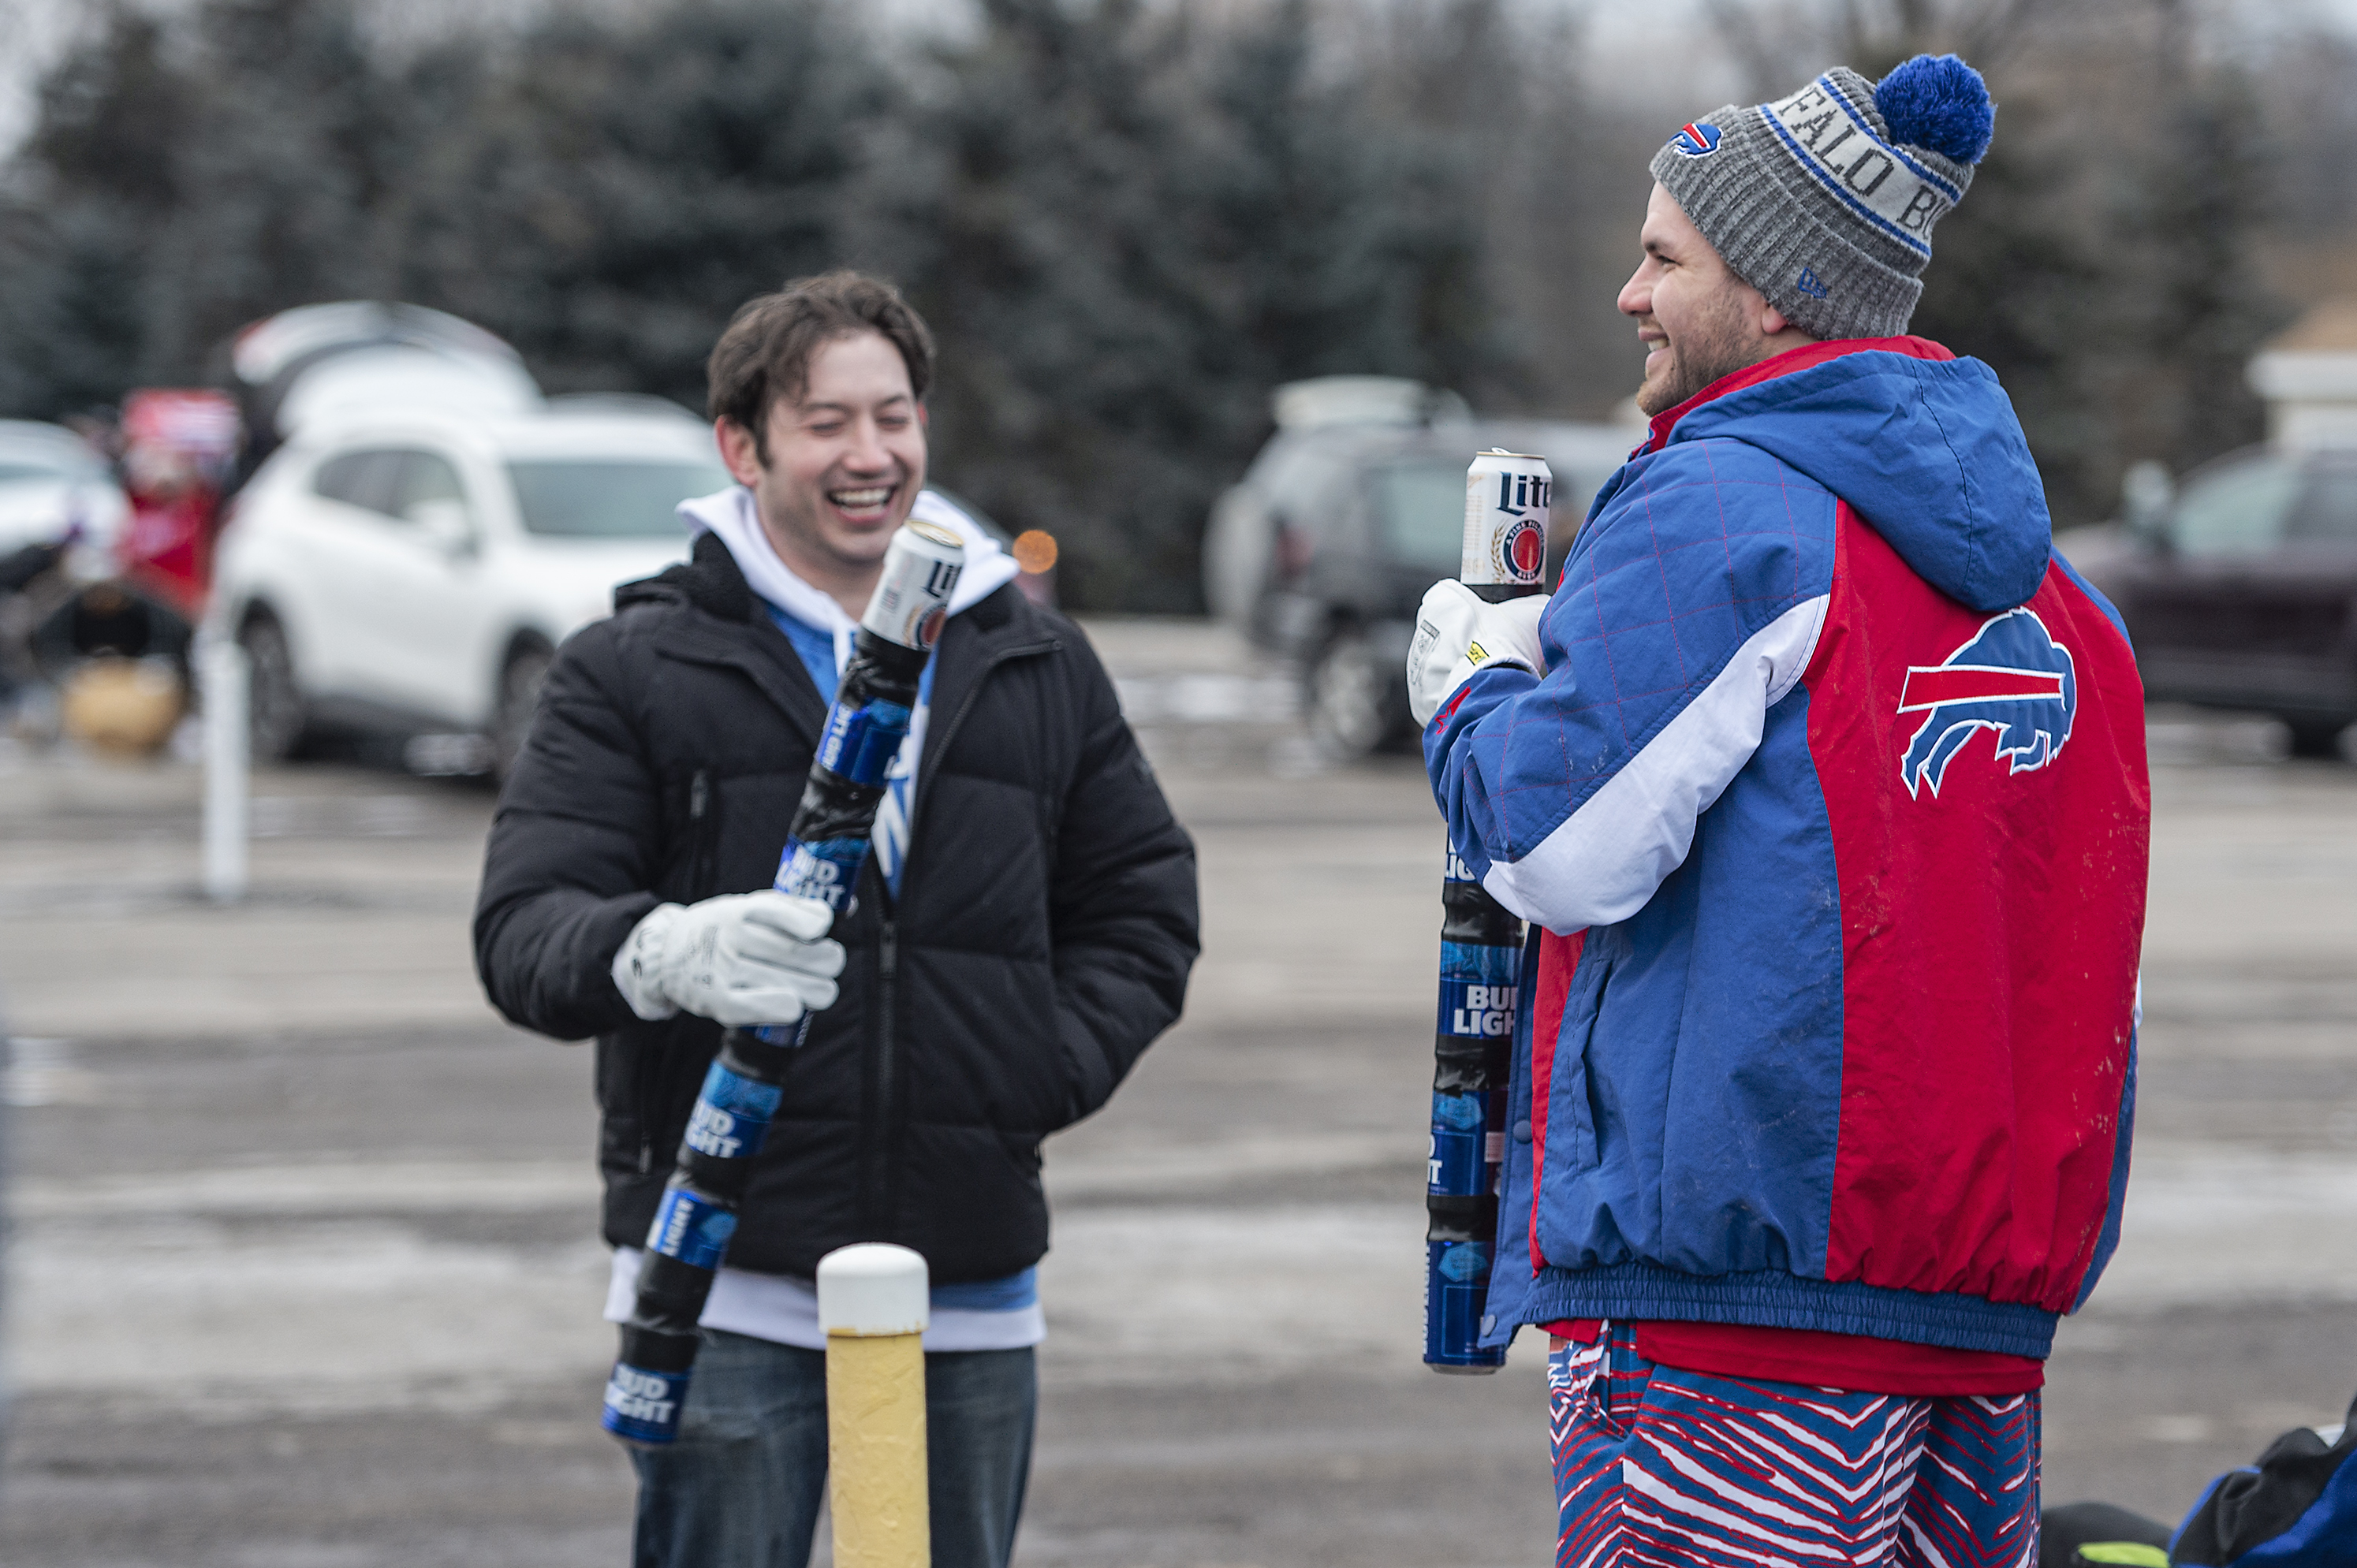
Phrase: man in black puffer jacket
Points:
(1024, 931)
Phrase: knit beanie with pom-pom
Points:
(1824, 200)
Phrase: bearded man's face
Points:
(1698, 321)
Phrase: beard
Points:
(1718, 344)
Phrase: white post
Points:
(874, 1304)
(222, 675)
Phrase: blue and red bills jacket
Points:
(1830, 815)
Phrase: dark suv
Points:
(2241, 592)
(1321, 553)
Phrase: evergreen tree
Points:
(609, 192)
(1142, 227)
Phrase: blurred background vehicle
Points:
(413, 574)
(1355, 506)
(2239, 587)
(317, 363)
(55, 488)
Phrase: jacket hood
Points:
(1923, 447)
(728, 514)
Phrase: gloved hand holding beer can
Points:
(826, 850)
(1506, 511)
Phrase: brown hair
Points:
(766, 352)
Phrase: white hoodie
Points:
(729, 513)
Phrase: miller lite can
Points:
(912, 595)
(1506, 497)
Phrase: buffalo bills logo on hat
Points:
(1696, 140)
(2013, 678)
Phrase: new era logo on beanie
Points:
(1824, 200)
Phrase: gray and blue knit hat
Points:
(1824, 201)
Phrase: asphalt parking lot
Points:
(304, 1267)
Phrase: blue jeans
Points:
(741, 1487)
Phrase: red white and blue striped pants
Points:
(1658, 1466)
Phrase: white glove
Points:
(1458, 632)
(741, 959)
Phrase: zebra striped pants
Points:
(1657, 1467)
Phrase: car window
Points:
(363, 479)
(610, 498)
(424, 476)
(1420, 507)
(2328, 511)
(2237, 509)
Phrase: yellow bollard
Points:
(874, 1303)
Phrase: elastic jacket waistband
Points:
(1637, 1292)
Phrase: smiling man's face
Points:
(845, 460)
(1698, 321)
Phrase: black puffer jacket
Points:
(1042, 937)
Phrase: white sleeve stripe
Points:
(1602, 863)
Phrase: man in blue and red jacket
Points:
(1820, 779)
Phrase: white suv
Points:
(413, 574)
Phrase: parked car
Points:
(415, 574)
(1322, 552)
(2240, 591)
(319, 364)
(54, 487)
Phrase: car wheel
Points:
(520, 682)
(1356, 702)
(2316, 737)
(276, 716)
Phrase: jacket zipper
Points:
(879, 1173)
(880, 1193)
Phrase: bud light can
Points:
(1506, 500)
(913, 597)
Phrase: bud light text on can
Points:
(912, 594)
(692, 1227)
(826, 871)
(1507, 495)
(861, 742)
(642, 1404)
(731, 1115)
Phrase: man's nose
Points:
(867, 454)
(1637, 294)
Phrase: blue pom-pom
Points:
(1940, 102)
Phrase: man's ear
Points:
(739, 451)
(924, 417)
(1771, 320)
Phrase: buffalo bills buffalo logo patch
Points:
(2013, 678)
(1696, 140)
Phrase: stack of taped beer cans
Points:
(826, 848)
(1506, 510)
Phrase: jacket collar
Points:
(728, 627)
(1785, 364)
(725, 627)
